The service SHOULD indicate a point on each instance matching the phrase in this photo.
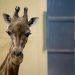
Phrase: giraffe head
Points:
(19, 31)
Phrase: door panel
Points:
(60, 37)
(60, 64)
(60, 7)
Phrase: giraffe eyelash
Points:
(27, 34)
(9, 32)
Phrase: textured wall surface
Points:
(35, 59)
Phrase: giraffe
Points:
(19, 31)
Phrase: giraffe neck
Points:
(8, 68)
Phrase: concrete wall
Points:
(35, 58)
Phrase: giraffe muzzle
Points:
(18, 53)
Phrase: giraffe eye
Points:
(27, 34)
(9, 32)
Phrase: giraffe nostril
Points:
(19, 53)
(13, 52)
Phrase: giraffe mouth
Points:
(17, 59)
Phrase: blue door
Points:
(60, 37)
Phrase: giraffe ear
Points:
(32, 20)
(7, 18)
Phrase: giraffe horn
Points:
(25, 16)
(17, 9)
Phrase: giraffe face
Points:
(19, 31)
(19, 34)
